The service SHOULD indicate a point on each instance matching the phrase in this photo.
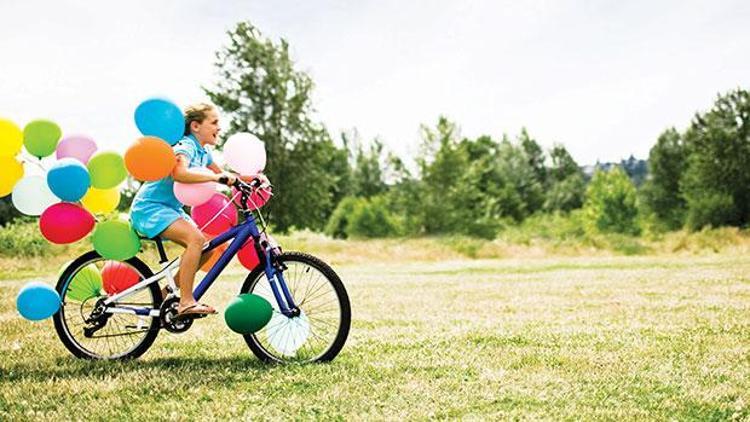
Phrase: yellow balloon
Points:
(11, 171)
(11, 139)
(101, 201)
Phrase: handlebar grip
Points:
(223, 180)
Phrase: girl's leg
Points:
(193, 240)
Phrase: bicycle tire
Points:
(331, 277)
(63, 332)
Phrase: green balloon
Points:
(86, 284)
(248, 313)
(116, 240)
(107, 170)
(40, 137)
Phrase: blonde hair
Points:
(196, 113)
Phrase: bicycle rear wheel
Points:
(318, 334)
(113, 336)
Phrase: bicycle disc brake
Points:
(168, 317)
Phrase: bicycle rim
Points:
(308, 337)
(122, 334)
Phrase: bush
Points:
(371, 218)
(338, 223)
(23, 239)
(611, 204)
(363, 218)
(712, 209)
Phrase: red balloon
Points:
(247, 255)
(117, 276)
(204, 213)
(64, 222)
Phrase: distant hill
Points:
(635, 168)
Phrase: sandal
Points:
(196, 309)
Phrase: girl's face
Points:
(207, 131)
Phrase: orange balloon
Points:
(215, 257)
(150, 158)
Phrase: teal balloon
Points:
(115, 240)
(107, 170)
(37, 301)
(248, 313)
(40, 137)
(161, 118)
(68, 179)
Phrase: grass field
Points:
(601, 337)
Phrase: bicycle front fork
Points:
(275, 273)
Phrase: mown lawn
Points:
(574, 338)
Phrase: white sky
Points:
(602, 77)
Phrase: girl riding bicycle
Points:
(310, 310)
(157, 212)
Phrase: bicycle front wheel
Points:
(318, 334)
(82, 285)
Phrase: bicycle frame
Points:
(240, 234)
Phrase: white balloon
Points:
(287, 335)
(245, 153)
(31, 195)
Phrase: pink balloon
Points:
(65, 223)
(204, 213)
(80, 147)
(245, 154)
(194, 194)
(257, 199)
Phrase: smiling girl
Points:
(157, 212)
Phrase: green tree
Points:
(367, 166)
(661, 192)
(716, 183)
(260, 91)
(611, 203)
(565, 182)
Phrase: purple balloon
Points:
(80, 147)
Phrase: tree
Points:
(611, 203)
(260, 92)
(565, 182)
(367, 166)
(716, 182)
(661, 192)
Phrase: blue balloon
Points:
(161, 118)
(68, 179)
(37, 301)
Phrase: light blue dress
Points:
(155, 207)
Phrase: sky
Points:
(603, 78)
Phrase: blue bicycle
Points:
(311, 311)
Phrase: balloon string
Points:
(32, 160)
(219, 212)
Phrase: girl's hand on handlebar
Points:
(226, 178)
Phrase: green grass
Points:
(579, 338)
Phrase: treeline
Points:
(470, 186)
(458, 185)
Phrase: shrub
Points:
(611, 204)
(712, 209)
(23, 239)
(371, 218)
(360, 217)
(338, 223)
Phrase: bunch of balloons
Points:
(81, 182)
(78, 192)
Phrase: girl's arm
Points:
(244, 177)
(182, 174)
